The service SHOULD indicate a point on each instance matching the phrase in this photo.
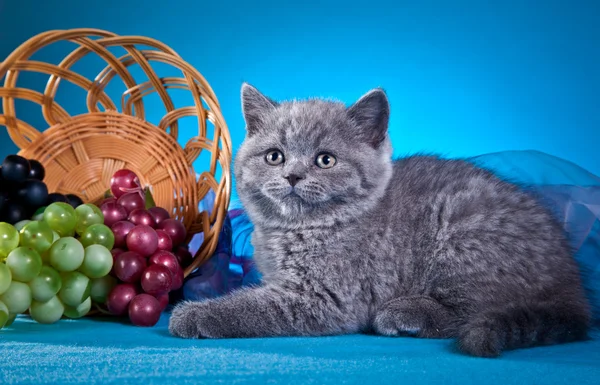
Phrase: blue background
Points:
(464, 77)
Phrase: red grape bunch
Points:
(149, 252)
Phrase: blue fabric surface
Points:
(101, 351)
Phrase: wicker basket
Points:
(81, 151)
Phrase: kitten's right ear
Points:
(371, 114)
(255, 106)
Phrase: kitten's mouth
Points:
(293, 195)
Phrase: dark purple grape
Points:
(159, 214)
(143, 240)
(14, 212)
(157, 279)
(175, 229)
(119, 298)
(6, 186)
(129, 266)
(122, 182)
(169, 260)
(131, 201)
(163, 300)
(36, 171)
(144, 310)
(183, 256)
(142, 217)
(15, 168)
(120, 230)
(115, 253)
(108, 200)
(32, 193)
(3, 200)
(74, 200)
(56, 197)
(113, 213)
(164, 240)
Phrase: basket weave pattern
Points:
(81, 152)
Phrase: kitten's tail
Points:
(488, 333)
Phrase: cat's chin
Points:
(293, 204)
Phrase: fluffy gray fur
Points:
(418, 246)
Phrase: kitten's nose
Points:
(293, 179)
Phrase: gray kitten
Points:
(349, 240)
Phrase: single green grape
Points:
(19, 225)
(46, 285)
(79, 311)
(4, 314)
(101, 287)
(37, 235)
(47, 312)
(97, 262)
(66, 254)
(17, 298)
(87, 215)
(5, 277)
(9, 239)
(24, 263)
(46, 254)
(98, 234)
(75, 288)
(39, 214)
(61, 217)
(11, 319)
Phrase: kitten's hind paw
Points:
(481, 341)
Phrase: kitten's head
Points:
(312, 162)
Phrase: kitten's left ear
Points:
(371, 114)
(255, 106)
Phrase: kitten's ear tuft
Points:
(255, 106)
(371, 114)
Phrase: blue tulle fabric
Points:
(571, 192)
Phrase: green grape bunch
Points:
(56, 264)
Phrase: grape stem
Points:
(100, 310)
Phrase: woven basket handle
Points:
(131, 101)
(19, 131)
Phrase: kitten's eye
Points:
(274, 158)
(326, 161)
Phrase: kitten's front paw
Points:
(412, 316)
(192, 320)
(184, 320)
